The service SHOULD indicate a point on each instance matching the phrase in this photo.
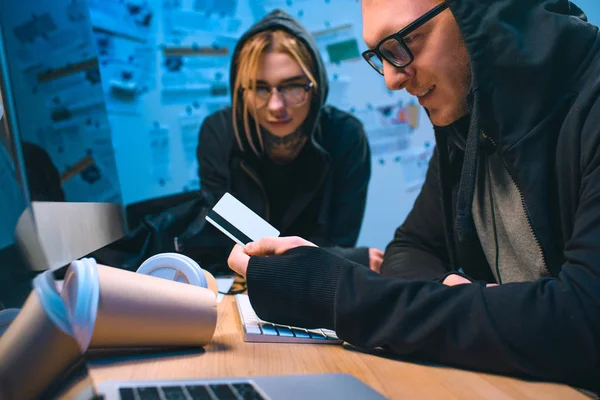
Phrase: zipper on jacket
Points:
(528, 217)
(262, 189)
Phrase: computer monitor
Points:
(60, 197)
(64, 199)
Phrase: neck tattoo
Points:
(288, 143)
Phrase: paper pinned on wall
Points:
(201, 23)
(180, 24)
(160, 153)
(338, 91)
(97, 131)
(68, 104)
(389, 126)
(129, 72)
(91, 180)
(227, 41)
(105, 43)
(73, 96)
(368, 117)
(193, 182)
(217, 7)
(192, 72)
(74, 69)
(338, 43)
(413, 111)
(414, 164)
(75, 169)
(215, 104)
(129, 20)
(76, 76)
(50, 138)
(261, 7)
(51, 35)
(189, 125)
(67, 139)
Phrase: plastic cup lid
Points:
(52, 304)
(82, 294)
(174, 267)
(195, 266)
(6, 318)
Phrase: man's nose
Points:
(396, 78)
(276, 102)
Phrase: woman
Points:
(299, 164)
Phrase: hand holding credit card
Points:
(237, 221)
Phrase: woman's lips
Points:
(280, 122)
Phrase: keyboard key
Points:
(316, 334)
(253, 329)
(148, 393)
(269, 329)
(126, 394)
(173, 393)
(198, 392)
(330, 334)
(223, 392)
(257, 330)
(247, 391)
(284, 331)
(300, 333)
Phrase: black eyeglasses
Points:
(294, 94)
(393, 48)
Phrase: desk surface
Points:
(229, 356)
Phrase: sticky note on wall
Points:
(413, 115)
(341, 51)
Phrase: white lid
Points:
(194, 265)
(82, 294)
(51, 302)
(6, 318)
(174, 267)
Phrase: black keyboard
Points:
(221, 391)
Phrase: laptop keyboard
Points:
(257, 330)
(223, 391)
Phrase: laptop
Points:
(289, 387)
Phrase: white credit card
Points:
(237, 221)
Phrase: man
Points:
(512, 196)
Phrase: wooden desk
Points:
(229, 356)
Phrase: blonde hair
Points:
(277, 41)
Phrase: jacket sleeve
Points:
(547, 329)
(418, 250)
(213, 151)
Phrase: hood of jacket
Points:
(529, 59)
(278, 19)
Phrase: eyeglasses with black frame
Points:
(393, 48)
(294, 94)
